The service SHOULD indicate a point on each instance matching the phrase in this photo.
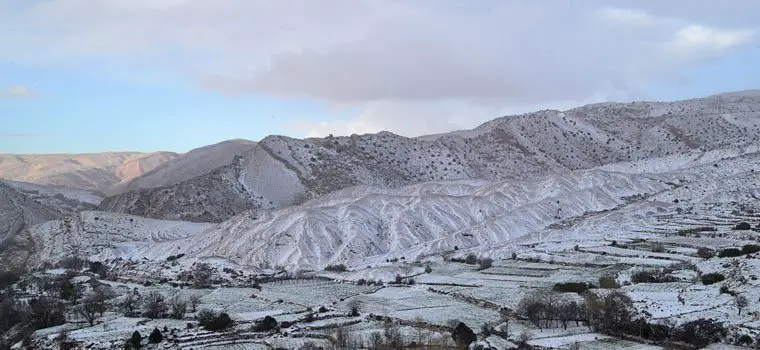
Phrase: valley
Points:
(608, 226)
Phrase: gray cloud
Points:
(404, 63)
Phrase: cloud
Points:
(402, 62)
(415, 118)
(695, 38)
(16, 91)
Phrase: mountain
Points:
(192, 164)
(368, 225)
(23, 205)
(283, 171)
(96, 172)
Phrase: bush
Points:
(712, 278)
(652, 276)
(608, 282)
(266, 324)
(743, 226)
(8, 278)
(136, 340)
(471, 259)
(701, 333)
(751, 249)
(572, 287)
(745, 340)
(486, 263)
(725, 290)
(336, 268)
(213, 321)
(428, 269)
(155, 337)
(730, 253)
(705, 253)
(463, 336)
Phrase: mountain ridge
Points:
(283, 171)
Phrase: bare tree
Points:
(345, 340)
(195, 300)
(741, 302)
(393, 337)
(154, 305)
(376, 341)
(668, 327)
(88, 310)
(566, 313)
(131, 303)
(178, 308)
(101, 295)
(202, 274)
(354, 306)
(525, 336)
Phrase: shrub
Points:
(725, 290)
(652, 276)
(705, 253)
(213, 321)
(463, 336)
(136, 340)
(701, 333)
(471, 259)
(608, 282)
(486, 263)
(745, 340)
(8, 278)
(155, 337)
(572, 287)
(743, 226)
(336, 268)
(751, 249)
(729, 253)
(712, 278)
(428, 269)
(266, 324)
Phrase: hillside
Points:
(192, 164)
(363, 225)
(96, 172)
(282, 171)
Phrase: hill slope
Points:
(283, 171)
(24, 205)
(192, 164)
(97, 171)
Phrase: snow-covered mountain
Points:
(23, 205)
(192, 164)
(366, 225)
(283, 171)
(97, 171)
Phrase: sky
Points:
(81, 76)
